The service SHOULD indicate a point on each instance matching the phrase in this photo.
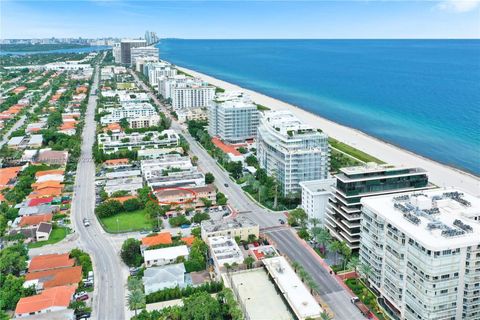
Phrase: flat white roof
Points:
(165, 253)
(435, 218)
(298, 296)
(318, 186)
(258, 294)
(225, 250)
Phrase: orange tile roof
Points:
(68, 125)
(46, 172)
(7, 175)
(34, 220)
(47, 184)
(57, 277)
(81, 89)
(161, 238)
(188, 240)
(51, 297)
(123, 199)
(113, 126)
(45, 192)
(117, 161)
(19, 89)
(225, 147)
(50, 261)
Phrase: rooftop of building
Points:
(374, 170)
(35, 220)
(225, 250)
(437, 218)
(51, 297)
(160, 238)
(50, 261)
(166, 253)
(219, 225)
(57, 277)
(298, 296)
(259, 295)
(227, 148)
(186, 192)
(286, 123)
(318, 186)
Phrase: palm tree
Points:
(365, 271)
(335, 247)
(325, 316)
(314, 222)
(303, 274)
(234, 265)
(353, 263)
(346, 252)
(136, 300)
(296, 265)
(313, 285)
(134, 284)
(228, 267)
(249, 261)
(323, 237)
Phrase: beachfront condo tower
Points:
(291, 150)
(126, 46)
(423, 249)
(148, 53)
(233, 117)
(354, 183)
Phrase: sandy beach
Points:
(439, 174)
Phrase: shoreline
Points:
(442, 175)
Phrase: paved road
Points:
(331, 292)
(237, 197)
(22, 119)
(109, 294)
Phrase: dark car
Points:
(226, 185)
(83, 315)
(281, 221)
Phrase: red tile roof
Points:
(35, 220)
(39, 201)
(7, 175)
(117, 161)
(188, 240)
(57, 277)
(46, 172)
(225, 147)
(161, 238)
(50, 261)
(51, 297)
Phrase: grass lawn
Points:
(58, 234)
(366, 296)
(360, 155)
(127, 221)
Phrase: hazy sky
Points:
(241, 19)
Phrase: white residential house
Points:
(163, 256)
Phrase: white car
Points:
(79, 294)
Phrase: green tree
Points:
(323, 237)
(249, 261)
(11, 291)
(130, 252)
(335, 247)
(201, 306)
(136, 300)
(124, 123)
(365, 271)
(353, 263)
(297, 217)
(132, 205)
(13, 259)
(209, 178)
(325, 316)
(221, 199)
(134, 283)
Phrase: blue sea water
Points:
(72, 50)
(422, 95)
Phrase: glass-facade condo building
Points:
(233, 117)
(354, 183)
(291, 151)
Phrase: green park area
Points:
(127, 221)
(360, 155)
(57, 235)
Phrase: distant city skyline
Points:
(235, 20)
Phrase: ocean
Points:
(421, 95)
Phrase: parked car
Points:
(82, 297)
(185, 226)
(83, 315)
(281, 221)
(86, 222)
(79, 294)
(133, 271)
(226, 185)
(360, 306)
